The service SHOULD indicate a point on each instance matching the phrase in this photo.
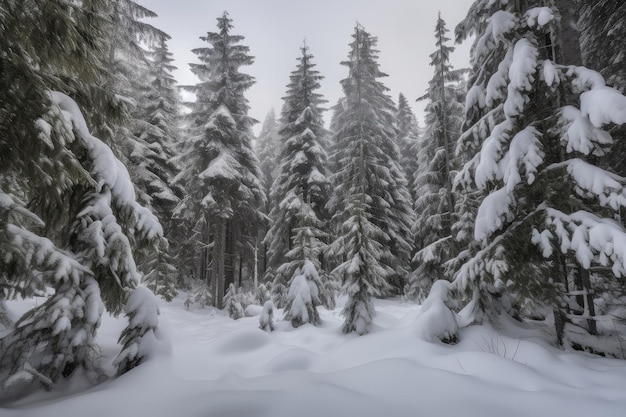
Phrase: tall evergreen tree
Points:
(435, 200)
(220, 173)
(68, 215)
(301, 189)
(537, 118)
(407, 139)
(371, 201)
(267, 148)
(157, 108)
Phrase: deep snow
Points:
(214, 366)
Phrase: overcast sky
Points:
(275, 30)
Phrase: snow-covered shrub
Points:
(303, 297)
(232, 302)
(141, 337)
(436, 321)
(263, 293)
(266, 322)
(201, 295)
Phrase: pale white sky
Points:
(275, 29)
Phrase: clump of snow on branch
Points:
(539, 16)
(603, 105)
(524, 151)
(497, 84)
(592, 239)
(493, 213)
(500, 23)
(521, 76)
(550, 74)
(581, 135)
(592, 181)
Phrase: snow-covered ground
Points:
(214, 366)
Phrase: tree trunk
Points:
(568, 36)
(219, 252)
(586, 299)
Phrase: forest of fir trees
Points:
(507, 200)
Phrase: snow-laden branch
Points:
(592, 239)
(107, 169)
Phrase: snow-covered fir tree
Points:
(158, 109)
(301, 189)
(266, 319)
(141, 338)
(371, 200)
(537, 119)
(434, 197)
(303, 296)
(232, 303)
(407, 139)
(266, 146)
(68, 214)
(222, 208)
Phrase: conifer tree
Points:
(303, 296)
(301, 190)
(371, 200)
(267, 148)
(407, 139)
(158, 109)
(68, 215)
(435, 200)
(220, 173)
(536, 117)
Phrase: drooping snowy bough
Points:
(537, 119)
(96, 270)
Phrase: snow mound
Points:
(243, 341)
(436, 321)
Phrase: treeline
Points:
(511, 192)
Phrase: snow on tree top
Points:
(540, 16)
(500, 23)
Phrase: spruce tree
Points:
(435, 199)
(220, 173)
(301, 189)
(267, 148)
(371, 201)
(157, 107)
(407, 140)
(536, 117)
(69, 221)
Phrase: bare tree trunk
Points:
(219, 249)
(569, 36)
(585, 300)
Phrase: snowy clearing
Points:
(214, 366)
